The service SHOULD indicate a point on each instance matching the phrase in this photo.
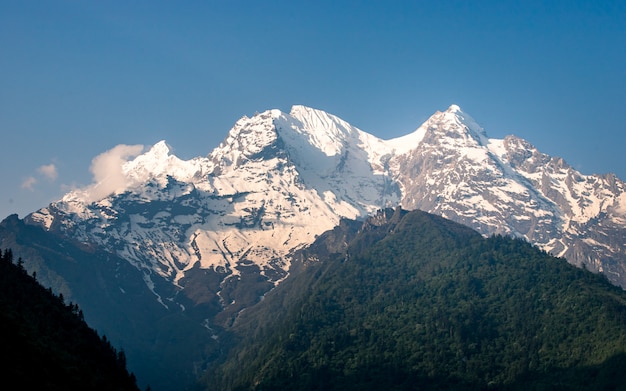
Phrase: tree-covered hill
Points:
(46, 344)
(162, 343)
(408, 300)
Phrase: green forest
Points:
(46, 344)
(421, 302)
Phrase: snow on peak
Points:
(468, 121)
(454, 109)
(158, 162)
(305, 131)
(247, 138)
(325, 131)
(108, 174)
(455, 121)
(124, 167)
(451, 119)
(160, 149)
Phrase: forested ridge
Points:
(46, 344)
(420, 302)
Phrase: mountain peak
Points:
(160, 149)
(454, 109)
(324, 131)
(455, 118)
(295, 109)
(248, 138)
(154, 161)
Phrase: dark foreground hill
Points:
(162, 342)
(46, 344)
(408, 300)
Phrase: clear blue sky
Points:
(80, 77)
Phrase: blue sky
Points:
(79, 77)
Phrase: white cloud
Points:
(108, 176)
(29, 183)
(49, 171)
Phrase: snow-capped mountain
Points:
(163, 253)
(509, 187)
(278, 180)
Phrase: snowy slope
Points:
(278, 180)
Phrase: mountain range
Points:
(201, 240)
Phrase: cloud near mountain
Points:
(49, 171)
(108, 176)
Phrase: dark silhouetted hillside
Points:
(46, 344)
